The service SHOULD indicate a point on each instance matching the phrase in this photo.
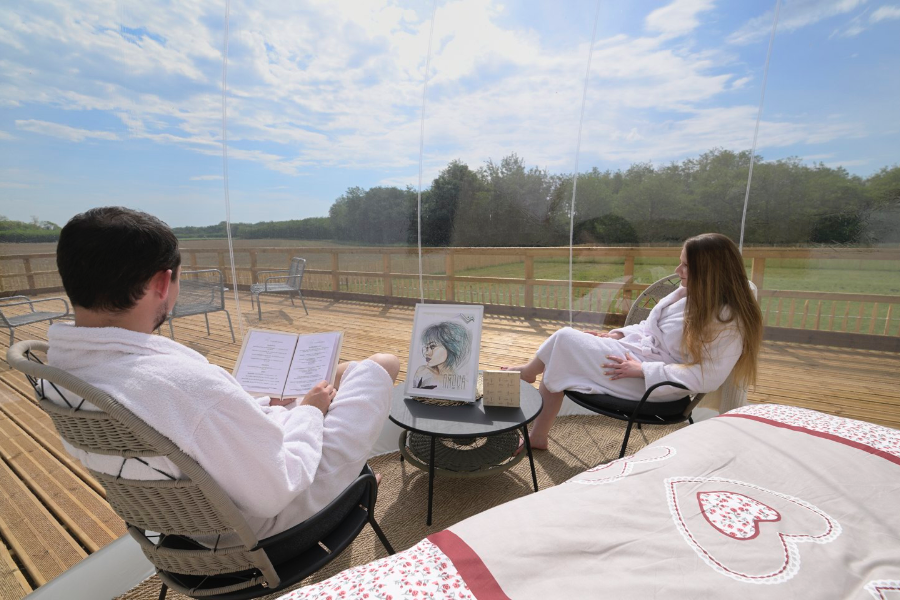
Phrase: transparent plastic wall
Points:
(823, 222)
(334, 141)
(106, 105)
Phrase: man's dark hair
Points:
(107, 256)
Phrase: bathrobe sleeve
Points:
(723, 354)
(262, 457)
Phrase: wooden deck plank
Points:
(83, 512)
(13, 584)
(43, 546)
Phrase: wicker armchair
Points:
(648, 413)
(12, 321)
(202, 292)
(285, 281)
(165, 515)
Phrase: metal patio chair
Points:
(284, 281)
(202, 292)
(647, 413)
(165, 515)
(12, 321)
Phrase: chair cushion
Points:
(606, 404)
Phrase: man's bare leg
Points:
(388, 362)
(529, 371)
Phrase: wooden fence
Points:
(508, 279)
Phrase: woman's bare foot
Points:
(535, 445)
(377, 478)
(527, 375)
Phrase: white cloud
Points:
(885, 12)
(677, 18)
(207, 178)
(5, 135)
(339, 84)
(793, 15)
(72, 134)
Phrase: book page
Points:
(315, 359)
(264, 362)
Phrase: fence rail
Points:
(471, 275)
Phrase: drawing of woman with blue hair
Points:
(445, 346)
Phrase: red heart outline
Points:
(624, 466)
(789, 542)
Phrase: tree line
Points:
(506, 203)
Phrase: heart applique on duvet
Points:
(884, 589)
(622, 467)
(735, 515)
(745, 531)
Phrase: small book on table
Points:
(285, 366)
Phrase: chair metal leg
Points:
(299, 295)
(291, 296)
(162, 592)
(259, 307)
(230, 326)
(380, 534)
(171, 330)
(625, 441)
(206, 316)
(12, 336)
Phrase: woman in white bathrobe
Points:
(696, 336)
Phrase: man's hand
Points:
(320, 396)
(614, 335)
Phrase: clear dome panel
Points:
(823, 219)
(105, 105)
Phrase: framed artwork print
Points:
(443, 352)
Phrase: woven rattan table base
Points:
(469, 457)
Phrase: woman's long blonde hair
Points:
(716, 280)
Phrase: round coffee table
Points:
(464, 440)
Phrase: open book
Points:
(286, 366)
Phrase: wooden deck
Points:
(52, 513)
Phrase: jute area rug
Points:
(576, 443)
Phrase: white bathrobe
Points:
(573, 358)
(278, 465)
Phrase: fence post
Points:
(225, 273)
(29, 274)
(758, 271)
(529, 281)
(628, 272)
(450, 272)
(253, 268)
(335, 280)
(386, 270)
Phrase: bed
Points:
(764, 501)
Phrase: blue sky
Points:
(120, 102)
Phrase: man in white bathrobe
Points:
(120, 270)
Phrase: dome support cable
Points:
(762, 98)
(587, 76)
(234, 279)
(422, 152)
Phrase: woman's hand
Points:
(614, 335)
(622, 367)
